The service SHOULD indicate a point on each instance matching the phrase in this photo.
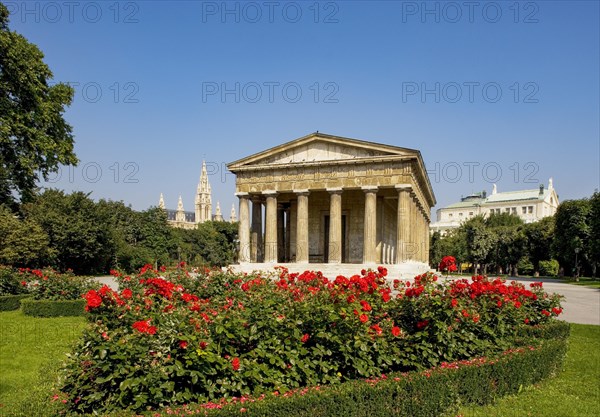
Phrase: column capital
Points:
(270, 193)
(370, 188)
(334, 190)
(242, 195)
(301, 192)
(403, 187)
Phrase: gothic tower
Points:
(203, 198)
(180, 215)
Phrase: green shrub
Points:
(10, 282)
(172, 338)
(53, 308)
(436, 392)
(11, 302)
(48, 284)
(549, 268)
(525, 266)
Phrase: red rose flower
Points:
(365, 306)
(364, 318)
(235, 364)
(183, 344)
(454, 302)
(305, 338)
(126, 293)
(396, 331)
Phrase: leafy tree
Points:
(594, 240)
(22, 242)
(158, 238)
(212, 243)
(503, 220)
(572, 233)
(453, 243)
(479, 241)
(34, 137)
(509, 244)
(539, 236)
(76, 230)
(508, 241)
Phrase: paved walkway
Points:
(581, 304)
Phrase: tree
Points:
(76, 230)
(480, 241)
(571, 235)
(34, 137)
(157, 236)
(22, 242)
(594, 241)
(509, 241)
(539, 236)
(453, 243)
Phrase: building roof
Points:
(498, 198)
(517, 196)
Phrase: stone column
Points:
(244, 228)
(414, 246)
(370, 231)
(280, 233)
(403, 223)
(421, 237)
(302, 227)
(271, 227)
(256, 247)
(288, 231)
(427, 237)
(335, 225)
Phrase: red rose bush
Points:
(171, 337)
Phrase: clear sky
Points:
(489, 92)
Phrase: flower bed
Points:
(435, 392)
(177, 339)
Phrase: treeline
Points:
(72, 231)
(567, 243)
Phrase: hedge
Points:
(53, 308)
(11, 302)
(437, 392)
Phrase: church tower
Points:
(203, 197)
(218, 215)
(180, 215)
(232, 216)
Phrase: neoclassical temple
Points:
(330, 199)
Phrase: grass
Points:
(31, 349)
(583, 281)
(574, 393)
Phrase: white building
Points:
(529, 205)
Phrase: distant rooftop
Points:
(482, 199)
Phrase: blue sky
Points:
(504, 92)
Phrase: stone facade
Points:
(530, 205)
(203, 207)
(328, 199)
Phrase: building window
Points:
(514, 210)
(530, 208)
(507, 209)
(470, 213)
(524, 209)
(450, 215)
(460, 214)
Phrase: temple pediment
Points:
(319, 147)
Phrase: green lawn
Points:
(575, 393)
(584, 281)
(30, 351)
(32, 348)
